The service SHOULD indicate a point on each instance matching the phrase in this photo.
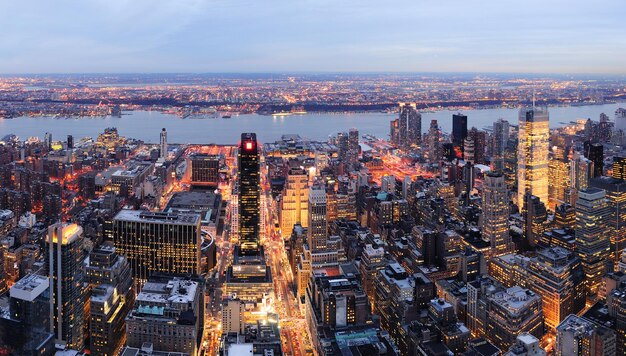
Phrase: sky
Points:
(212, 36)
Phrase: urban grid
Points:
(407, 236)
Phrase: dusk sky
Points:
(533, 36)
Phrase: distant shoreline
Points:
(284, 109)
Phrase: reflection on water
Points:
(146, 125)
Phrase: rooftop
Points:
(158, 217)
(29, 287)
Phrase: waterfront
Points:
(145, 125)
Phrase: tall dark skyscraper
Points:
(249, 194)
(595, 153)
(459, 129)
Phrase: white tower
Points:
(163, 144)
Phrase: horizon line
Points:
(306, 72)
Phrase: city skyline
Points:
(313, 178)
(280, 36)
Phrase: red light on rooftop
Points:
(249, 146)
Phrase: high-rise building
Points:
(595, 153)
(559, 183)
(459, 130)
(619, 168)
(578, 336)
(394, 132)
(434, 143)
(388, 184)
(532, 157)
(620, 119)
(112, 297)
(616, 197)
(479, 141)
(70, 142)
(249, 194)
(500, 314)
(205, 170)
(169, 314)
(555, 274)
(352, 157)
(495, 217)
(409, 125)
(294, 201)
(593, 235)
(512, 311)
(500, 141)
(372, 261)
(64, 263)
(233, 320)
(47, 140)
(394, 299)
(234, 212)
(616, 303)
(581, 171)
(535, 218)
(565, 217)
(163, 144)
(25, 329)
(156, 242)
(322, 248)
(469, 150)
(335, 302)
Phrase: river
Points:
(146, 125)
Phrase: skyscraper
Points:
(205, 170)
(294, 201)
(559, 183)
(434, 143)
(394, 132)
(409, 126)
(169, 314)
(532, 166)
(112, 297)
(535, 217)
(581, 170)
(619, 167)
(555, 274)
(620, 119)
(27, 330)
(616, 198)
(500, 139)
(163, 144)
(348, 143)
(318, 227)
(158, 242)
(47, 140)
(495, 218)
(459, 129)
(249, 194)
(595, 153)
(479, 139)
(469, 150)
(64, 262)
(593, 235)
(578, 336)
